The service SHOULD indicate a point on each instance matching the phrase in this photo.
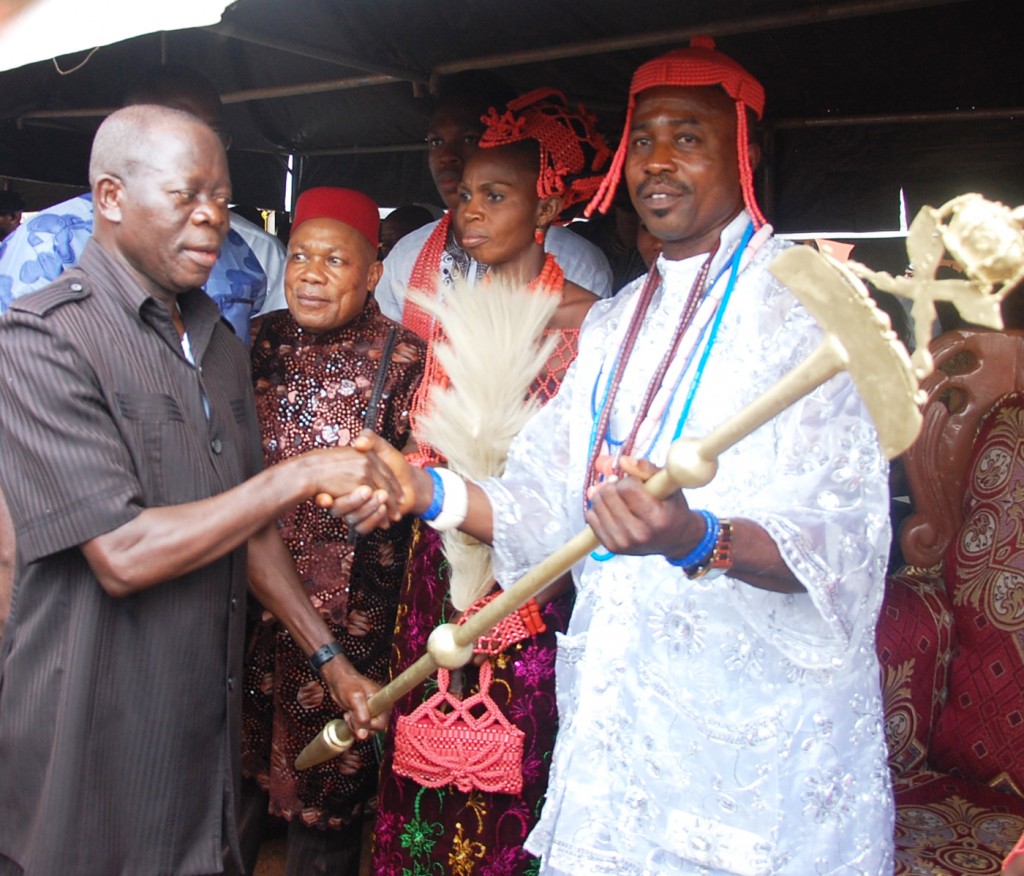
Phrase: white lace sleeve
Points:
(826, 508)
(814, 478)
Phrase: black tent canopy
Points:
(865, 97)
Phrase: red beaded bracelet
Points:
(524, 622)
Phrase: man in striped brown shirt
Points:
(130, 459)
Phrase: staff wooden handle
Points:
(691, 463)
(858, 339)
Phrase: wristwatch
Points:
(322, 655)
(719, 561)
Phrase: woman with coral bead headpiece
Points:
(539, 158)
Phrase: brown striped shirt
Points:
(119, 718)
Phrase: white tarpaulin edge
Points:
(40, 29)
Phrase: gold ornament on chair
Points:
(985, 238)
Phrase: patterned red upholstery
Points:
(915, 646)
(980, 732)
(951, 636)
(949, 826)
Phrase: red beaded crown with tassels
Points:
(698, 65)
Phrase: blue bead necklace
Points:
(601, 431)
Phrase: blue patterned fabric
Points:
(39, 251)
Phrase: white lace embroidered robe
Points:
(712, 727)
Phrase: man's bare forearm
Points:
(275, 583)
(167, 542)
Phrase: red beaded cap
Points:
(698, 65)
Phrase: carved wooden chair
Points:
(951, 632)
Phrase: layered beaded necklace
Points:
(550, 281)
(650, 420)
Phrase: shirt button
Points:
(75, 287)
(216, 446)
(231, 683)
(234, 604)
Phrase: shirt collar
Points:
(198, 311)
(728, 241)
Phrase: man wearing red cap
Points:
(322, 370)
(719, 699)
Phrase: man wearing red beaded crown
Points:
(719, 699)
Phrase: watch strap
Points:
(324, 654)
(720, 559)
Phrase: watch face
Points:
(705, 572)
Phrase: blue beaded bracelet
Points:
(702, 552)
(437, 503)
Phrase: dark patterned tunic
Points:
(312, 390)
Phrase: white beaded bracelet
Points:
(455, 505)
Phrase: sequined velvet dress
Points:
(423, 831)
(312, 391)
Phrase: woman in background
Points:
(537, 159)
